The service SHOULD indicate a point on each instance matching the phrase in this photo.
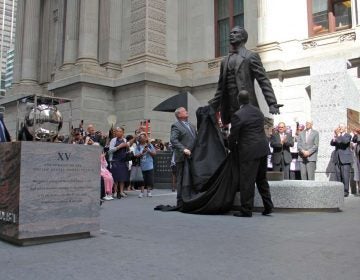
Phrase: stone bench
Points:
(299, 195)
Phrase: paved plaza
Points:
(136, 242)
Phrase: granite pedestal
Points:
(335, 99)
(296, 195)
(48, 191)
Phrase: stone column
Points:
(148, 29)
(19, 41)
(183, 31)
(30, 52)
(88, 31)
(110, 34)
(71, 32)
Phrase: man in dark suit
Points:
(342, 157)
(182, 138)
(281, 141)
(247, 138)
(308, 143)
(4, 133)
(238, 71)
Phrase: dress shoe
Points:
(244, 215)
(267, 212)
(346, 194)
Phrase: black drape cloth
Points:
(210, 177)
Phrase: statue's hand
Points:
(274, 109)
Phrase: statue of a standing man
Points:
(238, 71)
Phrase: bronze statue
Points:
(238, 71)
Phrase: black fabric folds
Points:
(209, 182)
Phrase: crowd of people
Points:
(127, 162)
(295, 154)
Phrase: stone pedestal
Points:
(48, 191)
(332, 93)
(297, 195)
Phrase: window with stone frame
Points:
(228, 13)
(325, 16)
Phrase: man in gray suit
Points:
(308, 143)
(182, 138)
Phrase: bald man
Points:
(308, 144)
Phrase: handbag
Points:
(136, 174)
(129, 156)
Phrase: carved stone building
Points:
(123, 57)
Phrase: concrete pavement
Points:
(136, 242)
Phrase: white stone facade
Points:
(123, 57)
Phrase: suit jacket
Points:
(248, 67)
(247, 134)
(181, 138)
(311, 145)
(343, 153)
(281, 150)
(7, 135)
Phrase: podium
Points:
(48, 191)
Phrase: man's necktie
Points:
(189, 128)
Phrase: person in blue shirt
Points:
(146, 151)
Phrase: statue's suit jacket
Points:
(7, 135)
(311, 145)
(343, 153)
(281, 150)
(248, 67)
(181, 138)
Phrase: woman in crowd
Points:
(146, 151)
(117, 153)
(108, 179)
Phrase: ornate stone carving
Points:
(213, 65)
(309, 45)
(157, 50)
(138, 15)
(138, 37)
(157, 38)
(348, 37)
(157, 26)
(158, 4)
(137, 4)
(138, 26)
(148, 28)
(157, 15)
(137, 49)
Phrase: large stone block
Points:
(303, 196)
(333, 92)
(48, 191)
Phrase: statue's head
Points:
(238, 35)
